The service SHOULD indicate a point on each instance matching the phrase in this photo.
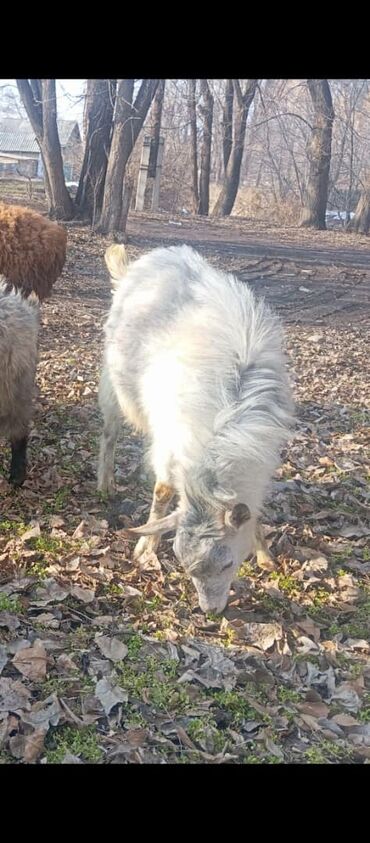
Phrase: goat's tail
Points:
(117, 262)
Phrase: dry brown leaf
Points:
(345, 720)
(50, 592)
(44, 713)
(32, 533)
(261, 635)
(31, 662)
(315, 709)
(86, 595)
(311, 629)
(9, 620)
(112, 648)
(3, 657)
(13, 695)
(34, 745)
(109, 695)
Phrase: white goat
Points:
(195, 362)
(19, 328)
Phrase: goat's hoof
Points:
(265, 561)
(144, 547)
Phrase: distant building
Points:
(20, 152)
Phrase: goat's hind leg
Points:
(18, 465)
(112, 425)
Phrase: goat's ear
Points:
(116, 260)
(152, 528)
(238, 515)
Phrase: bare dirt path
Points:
(306, 282)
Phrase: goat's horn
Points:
(163, 525)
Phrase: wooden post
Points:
(143, 174)
(157, 178)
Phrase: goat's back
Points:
(32, 249)
(180, 338)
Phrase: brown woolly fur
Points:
(32, 250)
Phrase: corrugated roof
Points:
(13, 158)
(17, 135)
(16, 142)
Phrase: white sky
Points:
(69, 96)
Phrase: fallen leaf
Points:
(317, 565)
(345, 720)
(112, 648)
(310, 721)
(87, 595)
(109, 695)
(33, 533)
(34, 745)
(261, 635)
(48, 620)
(137, 737)
(9, 620)
(56, 521)
(3, 657)
(13, 695)
(50, 592)
(31, 662)
(315, 709)
(64, 664)
(347, 696)
(310, 628)
(44, 713)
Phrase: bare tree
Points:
(39, 99)
(98, 117)
(194, 142)
(319, 155)
(361, 220)
(129, 117)
(206, 113)
(241, 105)
(227, 122)
(156, 126)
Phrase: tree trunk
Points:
(98, 117)
(319, 155)
(194, 142)
(156, 130)
(126, 201)
(206, 112)
(361, 220)
(242, 103)
(39, 99)
(128, 120)
(227, 122)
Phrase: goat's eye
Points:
(229, 565)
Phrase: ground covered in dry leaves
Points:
(102, 661)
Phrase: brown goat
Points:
(32, 250)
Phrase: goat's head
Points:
(211, 543)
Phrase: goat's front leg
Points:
(108, 441)
(162, 497)
(263, 555)
(18, 466)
